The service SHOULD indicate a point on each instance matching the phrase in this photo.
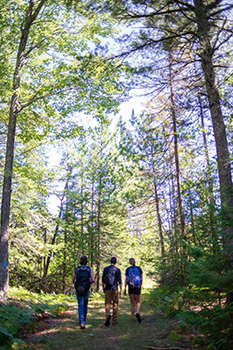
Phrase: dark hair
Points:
(113, 260)
(83, 260)
(132, 261)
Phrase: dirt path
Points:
(63, 332)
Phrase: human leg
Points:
(86, 305)
(108, 302)
(137, 298)
(115, 302)
(132, 305)
(81, 310)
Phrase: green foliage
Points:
(167, 301)
(7, 341)
(22, 311)
(209, 272)
(108, 206)
(199, 308)
(97, 296)
(215, 324)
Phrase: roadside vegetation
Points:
(33, 321)
(174, 319)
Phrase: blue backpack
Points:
(134, 278)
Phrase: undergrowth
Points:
(194, 307)
(20, 314)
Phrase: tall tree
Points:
(30, 16)
(203, 26)
(176, 155)
(52, 63)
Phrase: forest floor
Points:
(64, 333)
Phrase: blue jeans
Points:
(82, 307)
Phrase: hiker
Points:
(83, 277)
(110, 279)
(133, 277)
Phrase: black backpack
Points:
(82, 283)
(110, 277)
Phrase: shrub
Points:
(216, 324)
(22, 310)
(166, 300)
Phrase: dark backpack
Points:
(134, 278)
(110, 277)
(82, 283)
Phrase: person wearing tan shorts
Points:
(110, 279)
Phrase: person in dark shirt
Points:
(110, 279)
(134, 292)
(83, 298)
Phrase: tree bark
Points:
(99, 237)
(158, 214)
(176, 152)
(223, 157)
(82, 218)
(209, 177)
(92, 236)
(178, 175)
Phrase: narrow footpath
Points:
(63, 332)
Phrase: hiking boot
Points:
(107, 322)
(139, 318)
(82, 326)
(114, 324)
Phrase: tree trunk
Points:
(178, 175)
(92, 240)
(223, 157)
(191, 216)
(70, 168)
(174, 211)
(209, 177)
(99, 238)
(216, 114)
(158, 214)
(30, 17)
(176, 152)
(82, 219)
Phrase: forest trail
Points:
(64, 333)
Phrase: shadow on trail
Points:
(64, 333)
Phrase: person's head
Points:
(113, 260)
(132, 261)
(83, 260)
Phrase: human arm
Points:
(121, 294)
(126, 279)
(125, 284)
(103, 279)
(120, 284)
(92, 276)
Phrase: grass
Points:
(63, 332)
